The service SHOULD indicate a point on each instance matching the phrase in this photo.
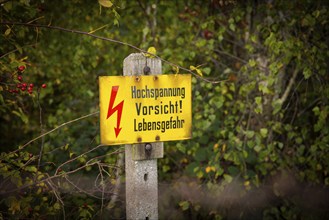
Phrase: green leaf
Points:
(250, 134)
(276, 104)
(307, 73)
(252, 63)
(316, 110)
(31, 169)
(165, 168)
(201, 154)
(258, 100)
(8, 6)
(22, 115)
(57, 206)
(185, 205)
(207, 70)
(263, 132)
(233, 170)
(228, 178)
(299, 140)
(258, 148)
(105, 3)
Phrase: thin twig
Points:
(48, 132)
(62, 174)
(79, 189)
(13, 51)
(102, 185)
(231, 55)
(117, 185)
(41, 127)
(75, 158)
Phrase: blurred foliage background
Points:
(260, 144)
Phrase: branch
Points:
(48, 132)
(109, 40)
(289, 87)
(231, 55)
(58, 197)
(143, 9)
(80, 189)
(236, 58)
(41, 127)
(13, 51)
(117, 185)
(75, 158)
(62, 174)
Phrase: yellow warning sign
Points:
(139, 109)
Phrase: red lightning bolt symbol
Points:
(118, 108)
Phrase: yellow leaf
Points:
(210, 168)
(184, 160)
(105, 3)
(71, 154)
(198, 71)
(224, 148)
(175, 69)
(39, 191)
(151, 50)
(7, 32)
(184, 205)
(97, 29)
(246, 183)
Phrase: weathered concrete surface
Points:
(140, 166)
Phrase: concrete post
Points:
(140, 159)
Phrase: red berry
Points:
(19, 85)
(21, 68)
(20, 78)
(207, 34)
(31, 85)
(24, 85)
(30, 155)
(15, 91)
(23, 88)
(44, 85)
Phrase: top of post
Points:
(135, 63)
